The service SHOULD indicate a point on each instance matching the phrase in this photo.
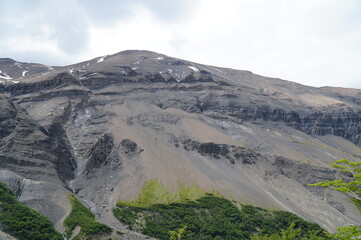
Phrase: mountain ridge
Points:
(107, 125)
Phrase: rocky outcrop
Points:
(303, 173)
(63, 79)
(336, 120)
(306, 174)
(32, 162)
(130, 148)
(27, 148)
(100, 153)
(233, 154)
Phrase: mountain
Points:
(101, 128)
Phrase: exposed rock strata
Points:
(100, 129)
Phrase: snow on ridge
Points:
(18, 65)
(194, 69)
(216, 69)
(101, 59)
(24, 73)
(3, 75)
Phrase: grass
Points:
(81, 216)
(22, 222)
(154, 192)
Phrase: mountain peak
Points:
(101, 128)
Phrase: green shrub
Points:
(23, 222)
(210, 217)
(81, 216)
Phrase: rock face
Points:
(230, 152)
(103, 127)
(33, 161)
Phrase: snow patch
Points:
(15, 81)
(18, 65)
(170, 70)
(135, 68)
(160, 58)
(50, 68)
(3, 75)
(101, 59)
(24, 73)
(194, 69)
(216, 69)
(2, 82)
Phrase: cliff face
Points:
(33, 161)
(214, 98)
(102, 127)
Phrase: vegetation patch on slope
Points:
(81, 216)
(22, 222)
(209, 217)
(154, 192)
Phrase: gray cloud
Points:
(108, 11)
(44, 21)
(68, 22)
(38, 56)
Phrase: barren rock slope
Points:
(103, 127)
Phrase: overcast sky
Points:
(313, 42)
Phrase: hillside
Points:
(102, 128)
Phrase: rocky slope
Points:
(103, 127)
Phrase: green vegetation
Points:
(208, 217)
(177, 234)
(351, 188)
(81, 216)
(23, 222)
(291, 233)
(154, 192)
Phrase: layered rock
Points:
(100, 129)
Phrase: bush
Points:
(81, 216)
(23, 222)
(210, 217)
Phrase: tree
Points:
(291, 233)
(351, 188)
(347, 233)
(177, 234)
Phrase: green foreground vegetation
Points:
(22, 222)
(81, 216)
(208, 217)
(351, 188)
